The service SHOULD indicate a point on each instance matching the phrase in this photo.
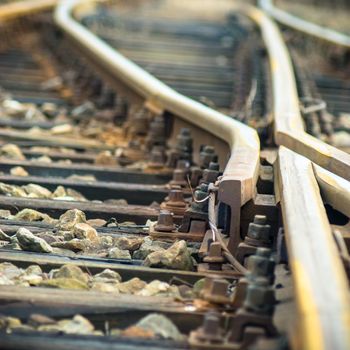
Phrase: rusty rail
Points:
(289, 128)
(313, 254)
(241, 171)
(323, 307)
(309, 237)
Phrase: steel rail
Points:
(324, 308)
(320, 284)
(24, 8)
(317, 271)
(289, 127)
(334, 190)
(241, 172)
(301, 25)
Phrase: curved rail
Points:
(289, 128)
(25, 8)
(318, 275)
(313, 253)
(241, 172)
(322, 33)
(323, 307)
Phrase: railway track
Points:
(141, 208)
(322, 68)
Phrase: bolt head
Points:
(260, 219)
(260, 298)
(165, 221)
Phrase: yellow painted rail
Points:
(321, 286)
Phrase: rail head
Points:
(24, 8)
(151, 89)
(288, 123)
(241, 172)
(301, 25)
(309, 238)
(320, 283)
(335, 190)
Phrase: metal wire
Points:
(217, 236)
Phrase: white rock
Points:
(29, 242)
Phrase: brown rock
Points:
(64, 283)
(33, 270)
(43, 159)
(62, 129)
(176, 257)
(159, 288)
(105, 158)
(18, 171)
(37, 191)
(85, 231)
(116, 253)
(33, 215)
(37, 320)
(63, 252)
(126, 243)
(72, 271)
(77, 325)
(132, 286)
(67, 235)
(74, 245)
(107, 275)
(70, 218)
(106, 242)
(12, 151)
(105, 287)
(97, 222)
(12, 190)
(48, 238)
(149, 246)
(137, 332)
(60, 191)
